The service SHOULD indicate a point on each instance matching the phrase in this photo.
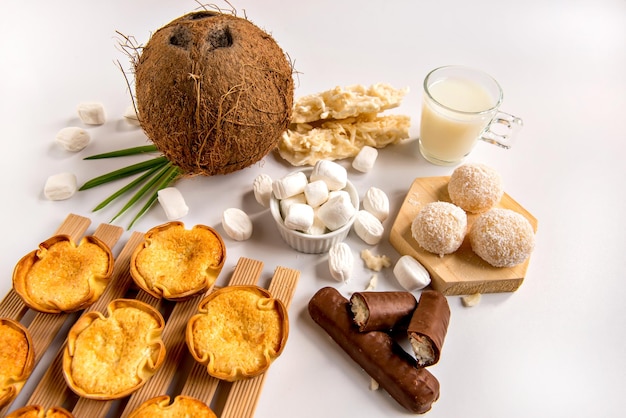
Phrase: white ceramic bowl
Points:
(313, 244)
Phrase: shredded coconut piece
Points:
(341, 103)
(375, 262)
(372, 283)
(305, 144)
(471, 300)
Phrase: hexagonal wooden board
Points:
(462, 272)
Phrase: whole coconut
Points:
(214, 92)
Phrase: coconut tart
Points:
(182, 406)
(238, 332)
(174, 263)
(38, 411)
(61, 276)
(17, 359)
(111, 357)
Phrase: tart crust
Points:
(176, 263)
(61, 276)
(17, 359)
(238, 332)
(111, 357)
(182, 406)
(38, 411)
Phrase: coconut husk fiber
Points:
(214, 92)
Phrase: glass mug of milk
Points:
(459, 108)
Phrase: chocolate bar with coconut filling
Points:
(382, 311)
(428, 327)
(375, 352)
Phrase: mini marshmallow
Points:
(60, 186)
(365, 159)
(336, 212)
(285, 203)
(340, 262)
(316, 193)
(368, 227)
(172, 202)
(91, 113)
(72, 138)
(299, 217)
(411, 274)
(131, 116)
(237, 224)
(376, 202)
(335, 175)
(262, 187)
(290, 185)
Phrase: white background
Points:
(554, 348)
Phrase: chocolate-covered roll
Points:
(376, 352)
(428, 327)
(382, 311)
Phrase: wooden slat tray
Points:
(179, 374)
(461, 272)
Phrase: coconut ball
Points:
(440, 227)
(475, 187)
(502, 237)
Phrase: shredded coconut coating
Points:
(346, 102)
(440, 227)
(502, 237)
(475, 187)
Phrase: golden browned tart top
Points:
(38, 411)
(111, 357)
(182, 406)
(175, 263)
(238, 332)
(17, 359)
(61, 276)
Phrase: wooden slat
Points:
(174, 339)
(52, 389)
(244, 394)
(44, 327)
(200, 384)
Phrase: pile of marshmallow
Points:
(319, 204)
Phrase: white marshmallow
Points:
(316, 193)
(285, 203)
(336, 212)
(60, 186)
(131, 116)
(368, 227)
(262, 188)
(365, 159)
(335, 175)
(73, 138)
(341, 194)
(376, 202)
(299, 217)
(340, 262)
(172, 202)
(318, 227)
(290, 185)
(92, 113)
(237, 224)
(411, 274)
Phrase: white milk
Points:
(446, 135)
